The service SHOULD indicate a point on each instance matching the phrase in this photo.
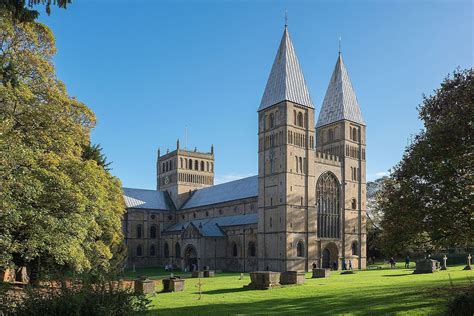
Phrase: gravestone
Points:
(145, 286)
(320, 273)
(444, 266)
(468, 267)
(209, 273)
(198, 274)
(264, 280)
(292, 277)
(426, 266)
(173, 285)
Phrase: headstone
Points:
(208, 273)
(292, 277)
(198, 274)
(468, 267)
(426, 266)
(144, 286)
(173, 285)
(444, 266)
(320, 273)
(264, 280)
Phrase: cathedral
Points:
(306, 206)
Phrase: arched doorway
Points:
(326, 258)
(190, 257)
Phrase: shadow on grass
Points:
(397, 275)
(224, 291)
(321, 305)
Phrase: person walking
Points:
(392, 263)
(350, 264)
(407, 262)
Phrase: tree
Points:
(428, 202)
(374, 216)
(59, 205)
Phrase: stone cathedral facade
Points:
(306, 205)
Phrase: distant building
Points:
(307, 204)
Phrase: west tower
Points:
(285, 165)
(341, 131)
(182, 171)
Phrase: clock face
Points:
(167, 180)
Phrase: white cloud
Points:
(223, 178)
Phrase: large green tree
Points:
(428, 201)
(59, 205)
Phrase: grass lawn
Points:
(374, 292)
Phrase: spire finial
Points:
(340, 39)
(286, 18)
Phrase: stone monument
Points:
(198, 274)
(468, 267)
(320, 273)
(174, 284)
(264, 280)
(444, 266)
(426, 266)
(292, 277)
(143, 285)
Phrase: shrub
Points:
(81, 297)
(462, 304)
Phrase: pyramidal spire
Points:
(340, 102)
(286, 80)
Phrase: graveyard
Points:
(379, 291)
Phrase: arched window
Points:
(294, 117)
(305, 120)
(196, 165)
(234, 250)
(139, 251)
(300, 249)
(300, 119)
(252, 249)
(190, 164)
(139, 231)
(163, 167)
(153, 231)
(202, 165)
(354, 204)
(181, 163)
(355, 248)
(354, 134)
(328, 206)
(271, 120)
(207, 166)
(166, 250)
(152, 250)
(177, 250)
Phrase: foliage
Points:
(57, 208)
(94, 152)
(428, 201)
(81, 297)
(462, 303)
(23, 12)
(374, 216)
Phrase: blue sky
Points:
(149, 69)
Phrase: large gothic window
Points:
(177, 250)
(328, 206)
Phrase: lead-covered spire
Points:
(286, 80)
(340, 102)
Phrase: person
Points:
(344, 265)
(350, 264)
(314, 265)
(392, 263)
(334, 265)
(407, 262)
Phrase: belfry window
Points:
(300, 119)
(190, 164)
(196, 165)
(202, 165)
(328, 206)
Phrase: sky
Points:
(152, 69)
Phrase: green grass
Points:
(371, 292)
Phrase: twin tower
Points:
(312, 183)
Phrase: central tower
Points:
(285, 165)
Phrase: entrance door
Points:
(326, 258)
(191, 258)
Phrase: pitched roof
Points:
(230, 191)
(147, 199)
(286, 80)
(212, 227)
(340, 102)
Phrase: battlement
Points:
(326, 158)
